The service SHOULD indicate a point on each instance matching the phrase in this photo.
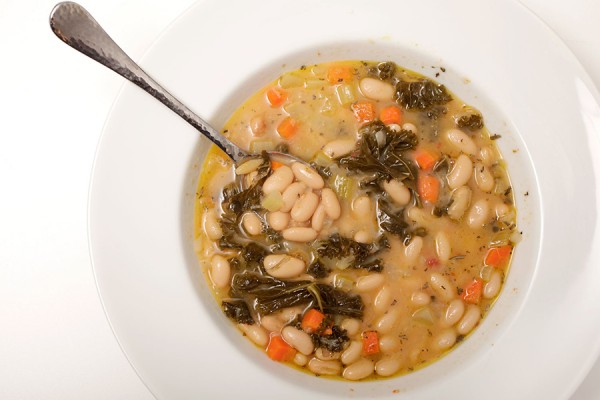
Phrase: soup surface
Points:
(381, 256)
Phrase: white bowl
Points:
(542, 335)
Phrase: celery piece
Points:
(343, 282)
(291, 80)
(342, 185)
(322, 159)
(272, 201)
(486, 273)
(258, 146)
(424, 316)
(314, 83)
(346, 93)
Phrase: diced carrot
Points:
(287, 128)
(425, 159)
(472, 293)
(364, 111)
(428, 188)
(312, 320)
(276, 96)
(276, 164)
(498, 256)
(279, 350)
(370, 342)
(339, 73)
(391, 115)
(327, 331)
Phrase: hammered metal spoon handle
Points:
(77, 28)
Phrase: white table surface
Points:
(55, 342)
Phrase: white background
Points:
(55, 342)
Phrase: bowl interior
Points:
(520, 168)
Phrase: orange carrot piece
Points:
(276, 164)
(279, 350)
(276, 96)
(312, 320)
(428, 188)
(472, 293)
(339, 73)
(498, 256)
(391, 115)
(287, 128)
(370, 342)
(364, 111)
(425, 159)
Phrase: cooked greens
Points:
(381, 154)
(471, 122)
(238, 311)
(334, 341)
(421, 95)
(268, 294)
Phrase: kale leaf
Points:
(471, 122)
(333, 342)
(381, 154)
(238, 311)
(421, 95)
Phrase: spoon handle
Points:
(77, 28)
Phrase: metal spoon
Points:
(77, 28)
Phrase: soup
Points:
(383, 253)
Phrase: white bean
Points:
(351, 326)
(352, 352)
(369, 282)
(324, 354)
(318, 218)
(492, 288)
(211, 225)
(410, 127)
(388, 366)
(397, 191)
(394, 127)
(487, 156)
(331, 203)
(257, 125)
(249, 166)
(383, 299)
(278, 220)
(376, 89)
(289, 313)
(461, 141)
(298, 339)
(339, 148)
(444, 340)
(359, 370)
(461, 198)
(321, 367)
(420, 298)
(300, 359)
(279, 180)
(362, 206)
(299, 234)
(220, 271)
(389, 343)
(413, 250)
(307, 175)
(362, 236)
(454, 312)
(461, 172)
(442, 246)
(442, 286)
(271, 323)
(305, 207)
(252, 223)
(484, 178)
(291, 195)
(478, 214)
(283, 266)
(386, 322)
(256, 333)
(469, 320)
(501, 210)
